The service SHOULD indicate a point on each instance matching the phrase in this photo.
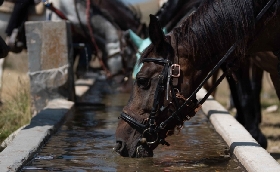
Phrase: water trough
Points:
(29, 139)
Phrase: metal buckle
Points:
(175, 68)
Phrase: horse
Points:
(245, 89)
(126, 18)
(175, 67)
(169, 15)
(174, 11)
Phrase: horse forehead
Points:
(150, 68)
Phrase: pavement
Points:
(31, 137)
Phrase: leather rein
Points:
(170, 72)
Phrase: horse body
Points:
(160, 99)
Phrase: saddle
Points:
(8, 6)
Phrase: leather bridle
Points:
(152, 130)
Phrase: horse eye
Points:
(143, 83)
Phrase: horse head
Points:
(159, 90)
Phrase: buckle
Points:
(175, 68)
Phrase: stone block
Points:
(50, 62)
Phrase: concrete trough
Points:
(251, 155)
(28, 140)
(24, 145)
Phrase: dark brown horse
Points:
(245, 88)
(174, 11)
(175, 67)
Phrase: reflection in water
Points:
(85, 142)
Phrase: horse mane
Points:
(171, 8)
(215, 26)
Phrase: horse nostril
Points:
(118, 146)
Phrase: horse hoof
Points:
(260, 138)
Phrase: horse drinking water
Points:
(177, 65)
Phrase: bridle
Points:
(151, 130)
(170, 72)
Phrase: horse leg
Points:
(208, 84)
(2, 61)
(242, 96)
(250, 115)
(257, 75)
(235, 95)
(276, 79)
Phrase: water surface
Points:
(85, 142)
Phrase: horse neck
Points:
(186, 8)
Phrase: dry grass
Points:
(15, 111)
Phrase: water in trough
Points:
(86, 139)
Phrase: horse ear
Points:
(155, 31)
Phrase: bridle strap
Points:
(175, 80)
(131, 121)
(160, 87)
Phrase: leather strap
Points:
(175, 70)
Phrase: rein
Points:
(151, 130)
